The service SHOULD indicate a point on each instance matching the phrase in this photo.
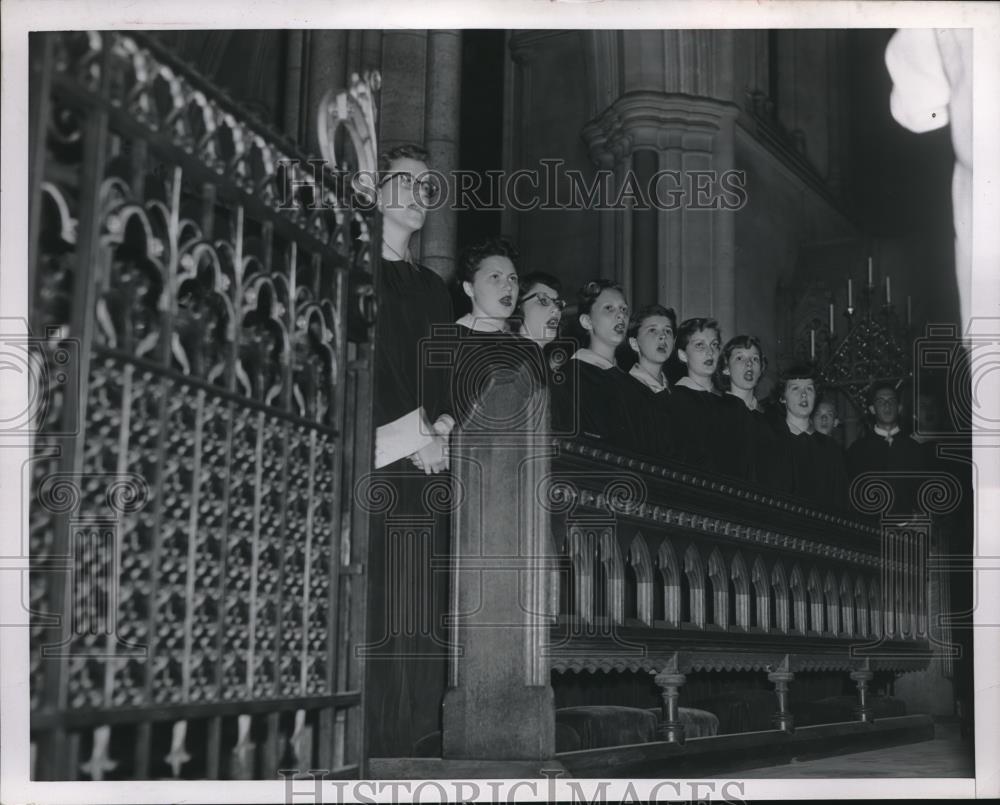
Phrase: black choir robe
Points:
(694, 418)
(483, 358)
(592, 402)
(650, 433)
(815, 465)
(745, 446)
(406, 667)
(873, 453)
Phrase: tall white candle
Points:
(869, 272)
(850, 293)
(812, 344)
(831, 318)
(888, 291)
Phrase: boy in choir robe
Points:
(651, 339)
(745, 446)
(885, 449)
(814, 462)
(592, 400)
(824, 418)
(694, 402)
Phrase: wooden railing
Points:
(194, 575)
(628, 565)
(661, 568)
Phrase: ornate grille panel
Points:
(190, 340)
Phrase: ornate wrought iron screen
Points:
(201, 418)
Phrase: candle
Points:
(888, 291)
(909, 311)
(831, 318)
(812, 344)
(850, 293)
(869, 272)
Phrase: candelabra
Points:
(874, 348)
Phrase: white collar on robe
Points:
(591, 357)
(887, 433)
(753, 405)
(657, 384)
(795, 429)
(483, 325)
(688, 383)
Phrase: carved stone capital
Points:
(657, 121)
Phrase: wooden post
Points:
(862, 676)
(499, 704)
(669, 680)
(780, 678)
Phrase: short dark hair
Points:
(475, 253)
(798, 371)
(691, 326)
(827, 398)
(648, 311)
(533, 278)
(588, 294)
(878, 386)
(401, 151)
(723, 381)
(525, 284)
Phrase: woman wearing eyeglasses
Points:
(539, 309)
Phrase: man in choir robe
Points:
(694, 401)
(405, 660)
(886, 449)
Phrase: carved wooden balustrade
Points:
(570, 558)
(194, 561)
(664, 568)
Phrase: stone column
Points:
(444, 78)
(404, 87)
(694, 240)
(325, 57)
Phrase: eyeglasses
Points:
(545, 300)
(425, 187)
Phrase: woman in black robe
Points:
(745, 443)
(592, 401)
(486, 351)
(814, 462)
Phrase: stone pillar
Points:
(444, 77)
(694, 242)
(404, 87)
(325, 57)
